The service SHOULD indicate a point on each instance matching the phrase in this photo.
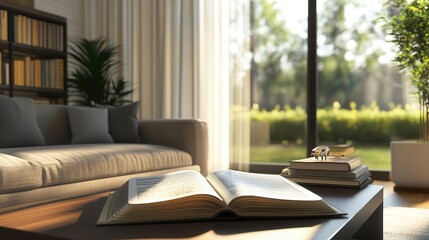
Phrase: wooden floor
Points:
(403, 199)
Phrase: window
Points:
(278, 73)
(362, 99)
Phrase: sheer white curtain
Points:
(176, 55)
(160, 49)
(214, 95)
(240, 57)
(105, 19)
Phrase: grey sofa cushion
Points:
(89, 125)
(17, 174)
(18, 125)
(54, 123)
(74, 163)
(123, 123)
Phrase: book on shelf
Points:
(355, 173)
(28, 77)
(188, 196)
(46, 73)
(6, 74)
(16, 24)
(18, 72)
(23, 27)
(37, 33)
(3, 25)
(326, 181)
(34, 55)
(330, 164)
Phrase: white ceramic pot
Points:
(410, 164)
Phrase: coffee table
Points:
(75, 219)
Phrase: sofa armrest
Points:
(189, 135)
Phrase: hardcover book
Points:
(330, 164)
(331, 181)
(188, 196)
(355, 173)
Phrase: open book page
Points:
(232, 184)
(251, 194)
(178, 196)
(168, 186)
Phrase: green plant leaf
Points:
(407, 22)
(92, 81)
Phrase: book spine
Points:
(6, 74)
(27, 71)
(15, 28)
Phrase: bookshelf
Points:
(33, 54)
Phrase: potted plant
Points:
(408, 25)
(92, 82)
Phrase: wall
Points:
(72, 10)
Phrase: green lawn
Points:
(376, 157)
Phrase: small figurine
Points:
(320, 151)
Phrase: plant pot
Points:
(410, 164)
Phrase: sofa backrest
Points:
(53, 123)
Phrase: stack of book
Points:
(335, 171)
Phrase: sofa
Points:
(42, 158)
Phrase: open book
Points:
(187, 195)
